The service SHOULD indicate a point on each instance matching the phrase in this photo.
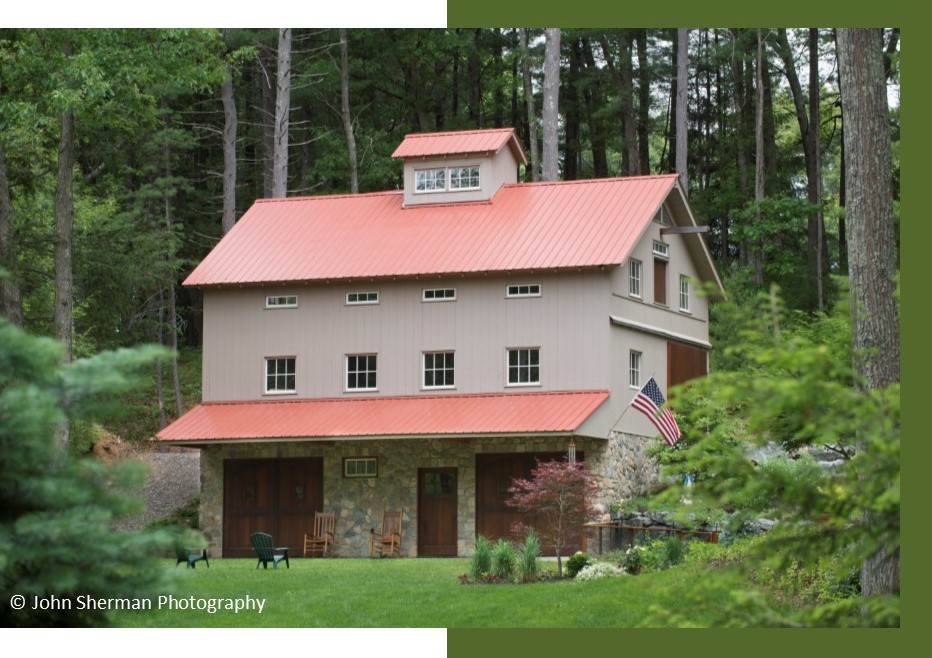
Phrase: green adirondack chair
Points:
(262, 543)
(191, 556)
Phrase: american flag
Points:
(648, 402)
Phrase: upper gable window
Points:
(430, 180)
(438, 295)
(281, 301)
(356, 298)
(523, 290)
(661, 249)
(464, 178)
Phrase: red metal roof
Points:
(463, 142)
(525, 226)
(453, 415)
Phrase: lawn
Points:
(415, 593)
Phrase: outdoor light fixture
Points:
(571, 452)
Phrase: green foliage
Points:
(576, 562)
(480, 564)
(504, 560)
(528, 566)
(57, 510)
(184, 517)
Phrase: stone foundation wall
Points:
(359, 502)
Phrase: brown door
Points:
(494, 476)
(277, 496)
(684, 363)
(436, 512)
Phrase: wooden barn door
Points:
(685, 363)
(277, 496)
(436, 512)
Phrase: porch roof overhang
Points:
(434, 416)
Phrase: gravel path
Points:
(174, 480)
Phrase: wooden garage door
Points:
(685, 363)
(277, 496)
(494, 475)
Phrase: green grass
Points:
(417, 593)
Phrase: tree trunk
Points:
(282, 110)
(267, 61)
(570, 105)
(345, 113)
(63, 315)
(11, 302)
(643, 125)
(594, 102)
(842, 184)
(629, 124)
(173, 319)
(550, 168)
(871, 242)
(229, 152)
(682, 68)
(159, 375)
(760, 169)
(531, 113)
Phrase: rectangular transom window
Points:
(464, 178)
(430, 180)
(438, 370)
(361, 372)
(661, 249)
(684, 293)
(634, 369)
(360, 467)
(439, 294)
(281, 301)
(634, 278)
(524, 366)
(279, 375)
(523, 290)
(354, 298)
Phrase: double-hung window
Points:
(279, 375)
(634, 369)
(634, 278)
(524, 366)
(684, 293)
(361, 370)
(439, 370)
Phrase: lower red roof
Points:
(524, 413)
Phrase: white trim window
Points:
(464, 178)
(523, 290)
(430, 180)
(361, 298)
(524, 366)
(279, 375)
(281, 301)
(684, 293)
(634, 369)
(438, 295)
(634, 278)
(439, 371)
(360, 467)
(661, 249)
(361, 370)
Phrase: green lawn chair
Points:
(262, 542)
(191, 556)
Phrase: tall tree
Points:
(871, 241)
(282, 112)
(529, 100)
(345, 112)
(550, 116)
(230, 122)
(643, 124)
(682, 124)
(760, 166)
(11, 303)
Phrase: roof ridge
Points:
(470, 131)
(590, 181)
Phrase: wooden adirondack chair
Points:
(320, 541)
(388, 541)
(191, 556)
(262, 543)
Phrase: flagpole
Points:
(628, 406)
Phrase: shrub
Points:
(576, 563)
(632, 559)
(481, 563)
(598, 570)
(675, 550)
(503, 560)
(528, 564)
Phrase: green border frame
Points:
(908, 640)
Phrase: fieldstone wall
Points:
(359, 502)
(624, 468)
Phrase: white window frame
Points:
(634, 369)
(661, 249)
(684, 293)
(438, 295)
(362, 467)
(362, 297)
(514, 290)
(437, 370)
(472, 177)
(528, 366)
(281, 301)
(422, 175)
(635, 270)
(374, 371)
(269, 360)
